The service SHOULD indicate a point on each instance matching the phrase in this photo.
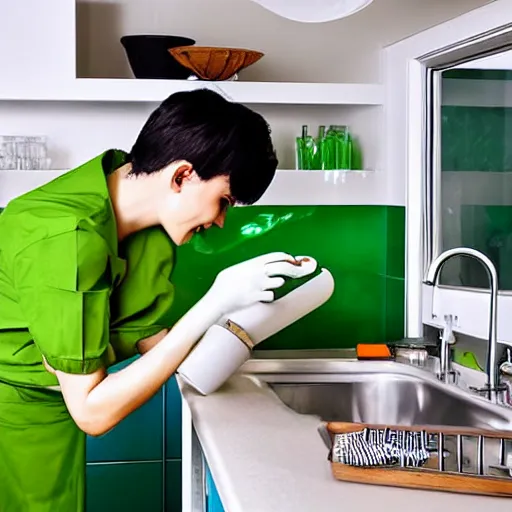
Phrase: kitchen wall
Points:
(346, 50)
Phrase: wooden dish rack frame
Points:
(438, 479)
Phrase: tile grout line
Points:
(119, 462)
(114, 462)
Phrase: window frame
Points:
(412, 76)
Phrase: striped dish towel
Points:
(381, 447)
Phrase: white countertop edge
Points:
(244, 430)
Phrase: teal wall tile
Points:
(138, 437)
(172, 420)
(353, 242)
(125, 487)
(173, 486)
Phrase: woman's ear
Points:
(183, 172)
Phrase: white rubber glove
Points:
(253, 281)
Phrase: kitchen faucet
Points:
(493, 386)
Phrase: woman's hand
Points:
(252, 281)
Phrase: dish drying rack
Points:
(473, 461)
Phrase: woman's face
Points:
(191, 205)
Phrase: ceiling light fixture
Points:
(319, 11)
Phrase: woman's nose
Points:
(219, 221)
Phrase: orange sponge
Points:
(376, 351)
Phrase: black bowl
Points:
(149, 58)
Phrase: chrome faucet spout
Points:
(493, 378)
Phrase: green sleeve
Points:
(63, 285)
(140, 303)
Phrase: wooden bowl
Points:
(210, 63)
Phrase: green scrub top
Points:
(71, 293)
(68, 290)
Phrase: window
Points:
(474, 169)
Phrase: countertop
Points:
(265, 457)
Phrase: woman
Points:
(85, 263)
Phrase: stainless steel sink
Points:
(336, 387)
(386, 399)
(386, 393)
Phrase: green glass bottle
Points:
(336, 136)
(300, 143)
(346, 160)
(306, 150)
(330, 149)
(321, 149)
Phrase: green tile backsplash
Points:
(363, 247)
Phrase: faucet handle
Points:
(506, 369)
(446, 371)
(447, 335)
(452, 377)
(506, 382)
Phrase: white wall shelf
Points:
(290, 187)
(133, 90)
(108, 112)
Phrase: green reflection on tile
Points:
(363, 247)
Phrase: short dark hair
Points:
(216, 136)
